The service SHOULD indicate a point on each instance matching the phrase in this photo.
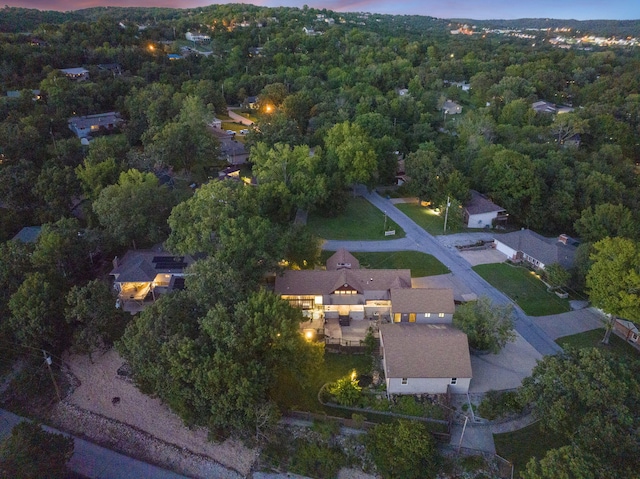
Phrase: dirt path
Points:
(103, 393)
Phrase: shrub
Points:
(326, 428)
(346, 390)
(317, 460)
(496, 404)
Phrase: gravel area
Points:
(111, 410)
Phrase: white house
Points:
(425, 359)
(481, 212)
(85, 126)
(77, 74)
(197, 37)
(529, 246)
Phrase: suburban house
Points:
(451, 108)
(174, 56)
(141, 275)
(481, 212)
(85, 126)
(546, 107)
(535, 249)
(627, 329)
(233, 151)
(28, 234)
(114, 68)
(76, 74)
(251, 102)
(14, 94)
(421, 305)
(343, 291)
(197, 37)
(425, 359)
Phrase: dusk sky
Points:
(476, 9)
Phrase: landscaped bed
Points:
(360, 221)
(523, 287)
(420, 264)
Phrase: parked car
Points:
(231, 132)
(244, 131)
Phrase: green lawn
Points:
(524, 288)
(427, 219)
(420, 264)
(360, 221)
(521, 445)
(289, 395)
(593, 338)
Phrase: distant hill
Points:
(618, 28)
(14, 19)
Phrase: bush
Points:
(346, 390)
(326, 428)
(317, 460)
(496, 404)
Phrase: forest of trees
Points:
(338, 121)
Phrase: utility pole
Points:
(385, 221)
(446, 215)
(47, 359)
(466, 419)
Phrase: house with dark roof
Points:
(76, 74)
(450, 107)
(481, 212)
(535, 249)
(142, 275)
(28, 234)
(425, 359)
(233, 151)
(85, 126)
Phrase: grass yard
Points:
(360, 221)
(521, 445)
(427, 219)
(524, 288)
(420, 264)
(291, 396)
(593, 338)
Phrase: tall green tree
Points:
(349, 149)
(606, 220)
(488, 326)
(135, 209)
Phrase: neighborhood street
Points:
(419, 240)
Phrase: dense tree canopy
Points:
(488, 326)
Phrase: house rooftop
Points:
(74, 71)
(422, 300)
(545, 250)
(342, 259)
(144, 265)
(307, 282)
(425, 351)
(28, 234)
(479, 204)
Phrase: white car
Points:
(244, 132)
(231, 132)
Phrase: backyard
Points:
(360, 221)
(420, 264)
(524, 288)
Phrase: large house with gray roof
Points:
(535, 249)
(425, 359)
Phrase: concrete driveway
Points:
(504, 370)
(483, 256)
(573, 322)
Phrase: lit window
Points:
(454, 381)
(405, 380)
(397, 317)
(441, 315)
(427, 315)
(412, 317)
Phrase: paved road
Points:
(91, 460)
(418, 239)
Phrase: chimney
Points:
(564, 239)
